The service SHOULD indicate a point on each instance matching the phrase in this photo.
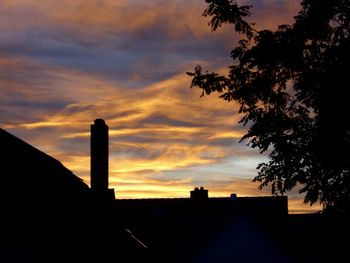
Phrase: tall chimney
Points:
(99, 156)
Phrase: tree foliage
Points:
(292, 85)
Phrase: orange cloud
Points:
(297, 206)
(193, 123)
(161, 131)
(182, 109)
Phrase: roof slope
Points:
(25, 170)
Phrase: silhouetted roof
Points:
(208, 229)
(259, 205)
(27, 170)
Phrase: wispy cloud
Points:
(162, 127)
(65, 63)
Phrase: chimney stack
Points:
(99, 156)
(199, 194)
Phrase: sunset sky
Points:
(65, 63)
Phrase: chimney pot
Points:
(199, 193)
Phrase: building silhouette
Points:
(50, 215)
(208, 229)
(29, 172)
(199, 193)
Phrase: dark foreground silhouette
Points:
(50, 215)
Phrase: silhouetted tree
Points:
(292, 85)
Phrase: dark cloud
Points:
(152, 50)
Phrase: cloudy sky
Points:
(65, 63)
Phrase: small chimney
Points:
(233, 196)
(199, 193)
